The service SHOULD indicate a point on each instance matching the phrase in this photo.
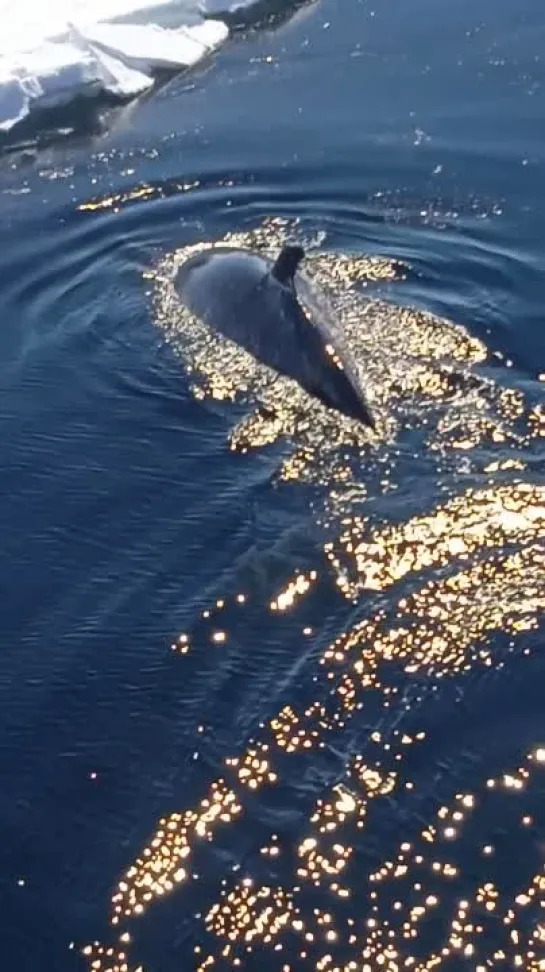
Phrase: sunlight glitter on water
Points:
(465, 588)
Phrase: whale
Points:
(273, 311)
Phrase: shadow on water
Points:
(85, 121)
(263, 14)
(80, 122)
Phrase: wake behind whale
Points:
(259, 304)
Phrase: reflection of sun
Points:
(458, 575)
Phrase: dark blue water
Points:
(373, 741)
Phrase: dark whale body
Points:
(255, 303)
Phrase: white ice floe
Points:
(52, 52)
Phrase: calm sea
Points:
(271, 690)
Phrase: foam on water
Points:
(50, 55)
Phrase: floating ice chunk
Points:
(49, 56)
(148, 47)
(56, 73)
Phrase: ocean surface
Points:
(272, 688)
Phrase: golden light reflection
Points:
(117, 201)
(486, 924)
(250, 914)
(465, 525)
(294, 590)
(165, 862)
(537, 422)
(253, 770)
(385, 859)
(103, 959)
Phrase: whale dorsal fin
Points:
(288, 260)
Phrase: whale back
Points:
(236, 293)
(321, 314)
(275, 314)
